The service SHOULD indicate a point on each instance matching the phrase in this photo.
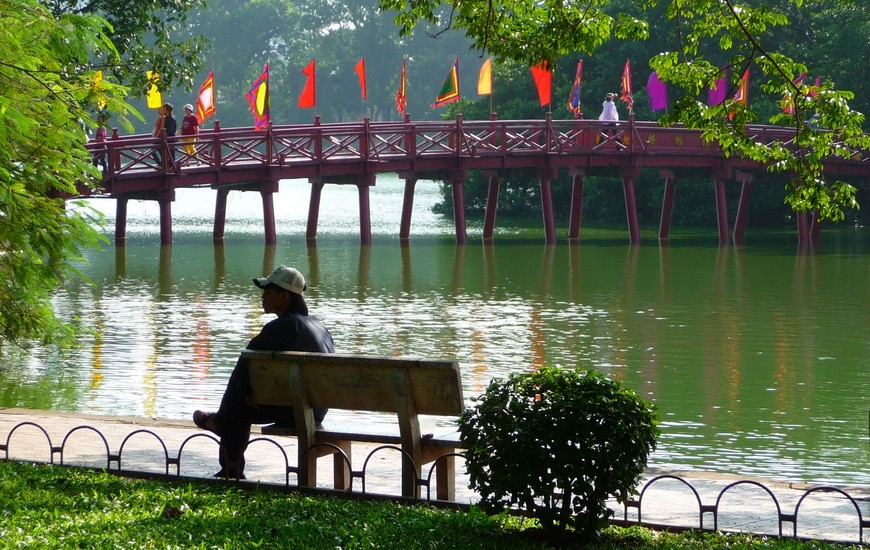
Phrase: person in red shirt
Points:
(189, 129)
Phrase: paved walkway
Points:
(677, 499)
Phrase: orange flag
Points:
(308, 98)
(626, 86)
(361, 73)
(543, 78)
(401, 98)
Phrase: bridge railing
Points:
(335, 143)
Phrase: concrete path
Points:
(676, 499)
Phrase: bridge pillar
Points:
(313, 212)
(491, 205)
(816, 227)
(721, 207)
(365, 211)
(743, 208)
(220, 214)
(667, 204)
(547, 206)
(407, 208)
(121, 221)
(268, 197)
(578, 177)
(457, 184)
(628, 174)
(165, 203)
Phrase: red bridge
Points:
(139, 167)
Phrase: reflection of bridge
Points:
(354, 153)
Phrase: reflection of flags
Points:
(258, 98)
(155, 98)
(626, 85)
(788, 106)
(401, 98)
(450, 88)
(308, 97)
(360, 70)
(205, 106)
(574, 96)
(658, 92)
(484, 80)
(716, 94)
(543, 78)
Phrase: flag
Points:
(742, 93)
(155, 98)
(657, 91)
(484, 80)
(360, 70)
(205, 106)
(574, 96)
(543, 77)
(450, 88)
(401, 98)
(626, 85)
(816, 86)
(258, 98)
(716, 93)
(788, 99)
(308, 97)
(98, 89)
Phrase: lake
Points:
(754, 356)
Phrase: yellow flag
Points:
(98, 89)
(155, 98)
(484, 81)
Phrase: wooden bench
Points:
(406, 387)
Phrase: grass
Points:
(60, 507)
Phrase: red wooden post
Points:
(114, 153)
(269, 216)
(667, 204)
(220, 214)
(407, 208)
(313, 212)
(628, 176)
(547, 207)
(165, 203)
(457, 184)
(318, 141)
(743, 206)
(491, 206)
(121, 221)
(577, 184)
(365, 215)
(217, 157)
(364, 140)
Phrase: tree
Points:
(711, 33)
(47, 102)
(145, 37)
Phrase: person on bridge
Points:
(293, 330)
(189, 130)
(608, 109)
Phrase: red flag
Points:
(258, 98)
(401, 98)
(742, 93)
(361, 73)
(717, 92)
(815, 89)
(205, 106)
(308, 98)
(543, 77)
(450, 88)
(626, 86)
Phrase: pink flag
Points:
(658, 92)
(718, 91)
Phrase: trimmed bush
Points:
(557, 444)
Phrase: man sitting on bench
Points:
(293, 330)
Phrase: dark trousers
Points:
(235, 416)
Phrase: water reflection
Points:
(744, 350)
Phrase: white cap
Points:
(287, 278)
(189, 107)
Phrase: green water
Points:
(755, 356)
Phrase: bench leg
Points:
(340, 469)
(445, 479)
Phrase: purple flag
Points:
(658, 92)
(717, 92)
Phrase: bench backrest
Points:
(363, 383)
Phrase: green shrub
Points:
(557, 444)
